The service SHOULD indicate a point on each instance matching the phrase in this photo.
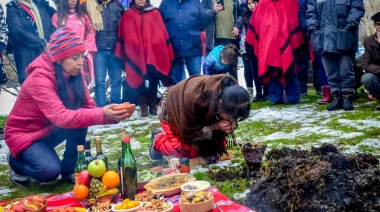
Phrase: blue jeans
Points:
(40, 161)
(105, 60)
(371, 82)
(339, 71)
(193, 65)
(276, 89)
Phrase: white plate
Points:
(200, 184)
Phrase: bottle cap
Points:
(127, 140)
(80, 148)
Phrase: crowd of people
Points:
(61, 53)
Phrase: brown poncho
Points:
(192, 103)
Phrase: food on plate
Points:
(168, 181)
(195, 186)
(101, 207)
(147, 196)
(197, 197)
(69, 209)
(30, 203)
(127, 204)
(157, 205)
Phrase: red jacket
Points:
(38, 109)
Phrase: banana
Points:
(109, 192)
(80, 209)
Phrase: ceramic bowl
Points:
(197, 207)
(170, 209)
(198, 185)
(130, 108)
(127, 210)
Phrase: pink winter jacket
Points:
(38, 108)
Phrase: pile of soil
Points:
(318, 180)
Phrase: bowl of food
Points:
(127, 206)
(130, 108)
(195, 186)
(88, 203)
(196, 201)
(36, 203)
(101, 207)
(147, 196)
(159, 205)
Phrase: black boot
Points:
(348, 97)
(153, 104)
(257, 98)
(143, 102)
(336, 102)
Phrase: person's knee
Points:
(47, 172)
(366, 79)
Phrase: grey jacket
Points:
(333, 25)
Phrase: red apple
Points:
(96, 168)
(84, 178)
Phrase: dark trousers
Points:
(371, 82)
(40, 161)
(276, 89)
(302, 59)
(248, 71)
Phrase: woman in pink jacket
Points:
(53, 105)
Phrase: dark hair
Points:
(134, 3)
(230, 54)
(76, 85)
(235, 100)
(63, 11)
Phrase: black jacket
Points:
(23, 34)
(111, 15)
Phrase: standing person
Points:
(211, 8)
(60, 108)
(333, 28)
(184, 21)
(71, 14)
(371, 61)
(275, 34)
(105, 60)
(146, 53)
(197, 114)
(30, 27)
(222, 60)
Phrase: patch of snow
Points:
(360, 124)
(242, 195)
(5, 190)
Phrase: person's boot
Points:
(143, 102)
(17, 179)
(257, 98)
(348, 98)
(153, 104)
(326, 95)
(370, 97)
(336, 102)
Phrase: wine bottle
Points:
(81, 163)
(128, 171)
(87, 151)
(99, 152)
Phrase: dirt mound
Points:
(318, 180)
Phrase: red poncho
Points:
(143, 42)
(274, 33)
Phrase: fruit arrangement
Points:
(96, 181)
(127, 204)
(28, 204)
(197, 197)
(69, 209)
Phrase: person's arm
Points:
(89, 39)
(312, 16)
(239, 17)
(17, 30)
(368, 65)
(3, 30)
(302, 14)
(205, 16)
(355, 14)
(209, 11)
(44, 94)
(208, 66)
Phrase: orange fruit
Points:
(136, 203)
(81, 192)
(111, 179)
(130, 205)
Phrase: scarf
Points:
(94, 14)
(36, 13)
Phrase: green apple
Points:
(96, 168)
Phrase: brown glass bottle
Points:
(99, 152)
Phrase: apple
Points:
(84, 178)
(96, 168)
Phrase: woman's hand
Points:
(236, 32)
(115, 115)
(226, 126)
(218, 7)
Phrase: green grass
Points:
(248, 131)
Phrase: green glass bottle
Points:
(81, 163)
(99, 152)
(87, 151)
(128, 171)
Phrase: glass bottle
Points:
(81, 163)
(128, 171)
(99, 152)
(87, 151)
